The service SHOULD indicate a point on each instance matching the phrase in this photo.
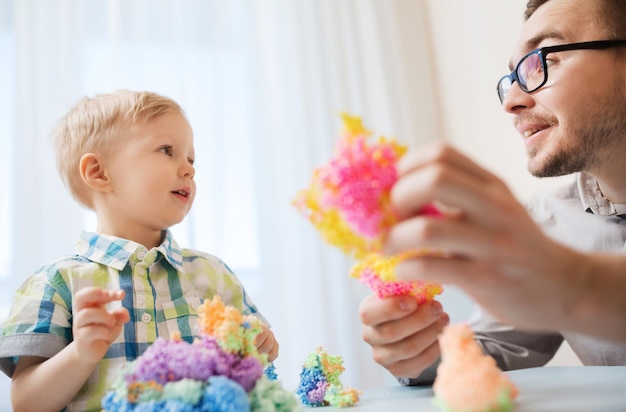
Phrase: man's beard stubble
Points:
(593, 133)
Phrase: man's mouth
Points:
(529, 132)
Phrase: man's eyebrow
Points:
(532, 43)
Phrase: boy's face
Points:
(151, 172)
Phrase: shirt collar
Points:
(593, 200)
(117, 252)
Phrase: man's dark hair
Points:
(611, 15)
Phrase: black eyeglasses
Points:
(532, 71)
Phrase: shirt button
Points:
(145, 318)
(141, 255)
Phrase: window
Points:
(222, 220)
(202, 67)
(6, 150)
(193, 52)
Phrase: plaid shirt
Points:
(163, 286)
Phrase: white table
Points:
(563, 389)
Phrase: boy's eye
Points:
(190, 160)
(167, 150)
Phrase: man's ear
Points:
(93, 173)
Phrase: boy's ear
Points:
(93, 173)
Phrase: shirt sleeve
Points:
(512, 348)
(39, 323)
(212, 276)
(426, 378)
(248, 307)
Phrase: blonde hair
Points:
(96, 124)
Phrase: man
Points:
(560, 274)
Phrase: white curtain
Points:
(262, 82)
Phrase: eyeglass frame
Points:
(542, 52)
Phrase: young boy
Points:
(129, 157)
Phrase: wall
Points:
(472, 42)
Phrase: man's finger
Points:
(442, 153)
(374, 311)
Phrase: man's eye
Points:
(550, 62)
(167, 150)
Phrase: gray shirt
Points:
(579, 216)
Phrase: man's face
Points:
(577, 120)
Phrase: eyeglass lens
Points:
(503, 87)
(530, 72)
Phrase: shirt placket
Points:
(145, 299)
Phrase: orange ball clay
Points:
(468, 380)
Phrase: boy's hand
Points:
(267, 343)
(95, 327)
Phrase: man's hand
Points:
(403, 335)
(95, 327)
(491, 246)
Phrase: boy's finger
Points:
(93, 316)
(121, 316)
(93, 296)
